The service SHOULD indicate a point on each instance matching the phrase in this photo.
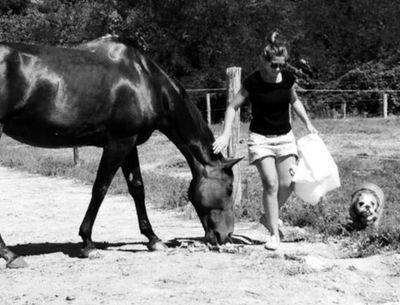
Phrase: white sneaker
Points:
(281, 225)
(272, 243)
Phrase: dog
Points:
(366, 206)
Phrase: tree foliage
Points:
(196, 40)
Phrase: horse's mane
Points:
(206, 137)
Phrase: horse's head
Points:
(211, 195)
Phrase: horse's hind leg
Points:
(131, 169)
(111, 160)
(12, 260)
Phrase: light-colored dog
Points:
(367, 205)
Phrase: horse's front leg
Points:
(131, 169)
(111, 160)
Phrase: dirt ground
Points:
(40, 218)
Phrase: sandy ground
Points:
(40, 218)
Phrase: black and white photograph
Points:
(199, 152)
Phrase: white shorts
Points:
(261, 146)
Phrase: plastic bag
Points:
(316, 173)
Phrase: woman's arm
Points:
(222, 141)
(301, 111)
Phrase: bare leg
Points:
(269, 178)
(283, 166)
(133, 176)
(111, 160)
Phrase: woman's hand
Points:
(311, 128)
(220, 143)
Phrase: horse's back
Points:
(57, 97)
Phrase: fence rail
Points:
(331, 103)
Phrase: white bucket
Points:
(316, 173)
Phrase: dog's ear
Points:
(355, 197)
(357, 221)
(376, 206)
(353, 211)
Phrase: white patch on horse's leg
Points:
(157, 246)
(17, 263)
(95, 254)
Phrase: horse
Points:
(108, 94)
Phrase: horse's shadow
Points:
(73, 249)
(69, 248)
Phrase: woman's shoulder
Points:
(252, 79)
(289, 78)
(253, 76)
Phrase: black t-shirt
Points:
(269, 103)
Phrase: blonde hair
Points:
(274, 48)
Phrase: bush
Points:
(13, 6)
(371, 77)
(64, 23)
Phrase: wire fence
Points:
(320, 103)
(351, 103)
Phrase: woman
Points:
(272, 146)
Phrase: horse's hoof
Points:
(95, 254)
(91, 253)
(16, 263)
(157, 246)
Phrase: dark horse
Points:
(107, 94)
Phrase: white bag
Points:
(316, 173)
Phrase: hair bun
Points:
(272, 37)
(274, 47)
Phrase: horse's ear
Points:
(229, 163)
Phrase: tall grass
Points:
(364, 149)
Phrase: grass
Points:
(161, 190)
(364, 149)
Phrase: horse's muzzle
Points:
(215, 237)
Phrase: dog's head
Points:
(364, 207)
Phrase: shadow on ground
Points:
(74, 249)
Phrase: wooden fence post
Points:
(385, 106)
(76, 156)
(344, 104)
(234, 83)
(208, 99)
